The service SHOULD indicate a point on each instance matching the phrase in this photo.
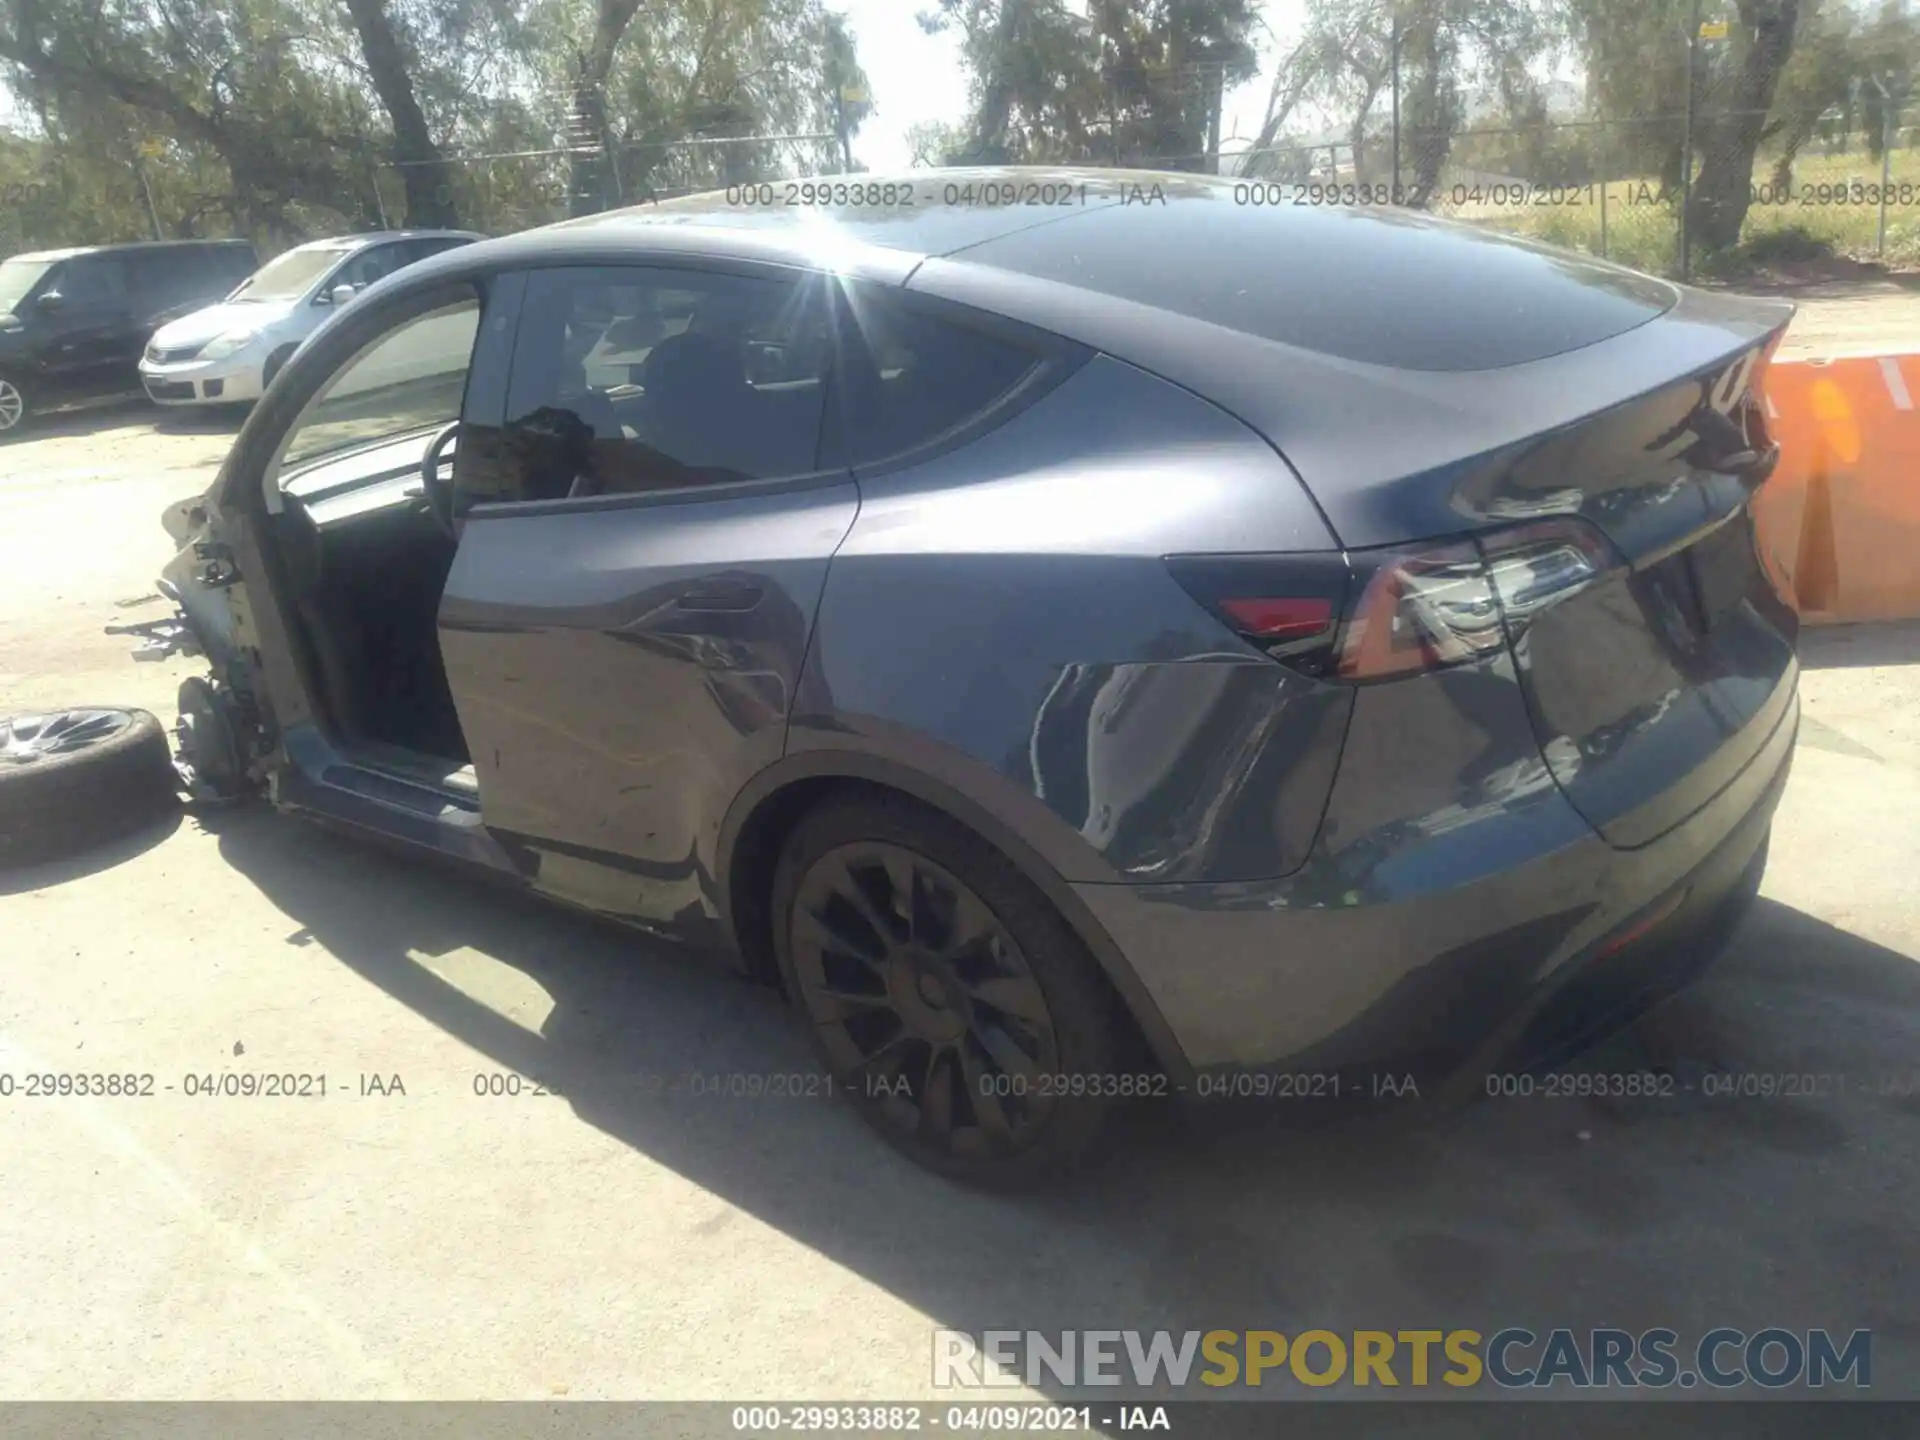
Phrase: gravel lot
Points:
(611, 1243)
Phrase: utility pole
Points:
(1887, 117)
(153, 215)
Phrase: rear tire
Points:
(75, 778)
(950, 1002)
(16, 405)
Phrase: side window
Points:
(409, 381)
(165, 278)
(630, 380)
(94, 284)
(229, 265)
(413, 250)
(369, 266)
(911, 376)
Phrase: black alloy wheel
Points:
(949, 1001)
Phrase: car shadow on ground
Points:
(48, 873)
(1768, 1184)
(129, 412)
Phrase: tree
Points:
(246, 86)
(931, 144)
(280, 119)
(391, 62)
(1344, 62)
(1131, 82)
(1729, 136)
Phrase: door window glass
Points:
(413, 250)
(630, 379)
(369, 266)
(94, 284)
(409, 381)
(166, 278)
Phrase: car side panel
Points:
(1000, 619)
(621, 670)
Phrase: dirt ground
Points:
(1876, 313)
(421, 1239)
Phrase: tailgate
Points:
(1652, 688)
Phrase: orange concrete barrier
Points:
(1839, 520)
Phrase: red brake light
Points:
(1280, 619)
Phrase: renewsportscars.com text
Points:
(1513, 1358)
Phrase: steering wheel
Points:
(439, 495)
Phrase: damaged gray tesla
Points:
(1078, 653)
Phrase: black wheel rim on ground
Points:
(27, 739)
(924, 1002)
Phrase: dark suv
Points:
(73, 322)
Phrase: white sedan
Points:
(229, 353)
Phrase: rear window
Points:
(1381, 287)
(915, 378)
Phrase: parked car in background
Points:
(73, 322)
(230, 352)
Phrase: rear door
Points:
(170, 283)
(372, 264)
(642, 548)
(94, 338)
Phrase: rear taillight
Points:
(1534, 567)
(1378, 614)
(1419, 610)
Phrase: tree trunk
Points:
(989, 142)
(590, 181)
(1357, 134)
(423, 170)
(1430, 105)
(1724, 187)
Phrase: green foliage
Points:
(1130, 82)
(285, 119)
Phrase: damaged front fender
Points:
(223, 739)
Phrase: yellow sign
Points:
(1713, 29)
(853, 95)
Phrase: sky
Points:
(914, 76)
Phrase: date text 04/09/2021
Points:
(888, 1419)
(228, 1084)
(968, 194)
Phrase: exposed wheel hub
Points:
(13, 405)
(29, 739)
(927, 996)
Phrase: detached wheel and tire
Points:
(15, 405)
(71, 779)
(949, 1000)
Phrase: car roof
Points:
(361, 239)
(129, 247)
(1376, 285)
